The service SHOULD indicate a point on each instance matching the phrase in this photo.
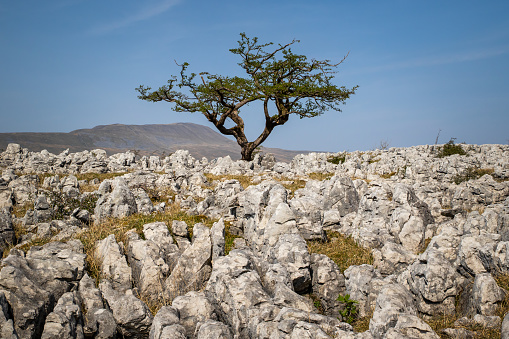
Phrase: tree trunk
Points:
(247, 151)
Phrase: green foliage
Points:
(451, 148)
(63, 205)
(280, 79)
(472, 173)
(349, 311)
(336, 159)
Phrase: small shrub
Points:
(472, 173)
(451, 148)
(349, 312)
(337, 159)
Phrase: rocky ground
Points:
(399, 243)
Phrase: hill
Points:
(156, 139)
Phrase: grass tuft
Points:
(344, 251)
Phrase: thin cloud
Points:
(441, 59)
(141, 15)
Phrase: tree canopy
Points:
(278, 78)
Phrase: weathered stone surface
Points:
(194, 308)
(132, 316)
(33, 282)
(97, 320)
(193, 267)
(119, 203)
(485, 295)
(328, 283)
(166, 325)
(393, 302)
(65, 320)
(113, 263)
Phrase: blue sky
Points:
(421, 66)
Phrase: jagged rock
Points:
(166, 325)
(7, 237)
(363, 284)
(132, 315)
(217, 233)
(410, 326)
(148, 267)
(393, 302)
(119, 203)
(33, 282)
(113, 263)
(158, 233)
(212, 329)
(236, 291)
(505, 327)
(7, 330)
(485, 295)
(435, 282)
(98, 321)
(65, 320)
(392, 259)
(193, 267)
(328, 283)
(194, 308)
(459, 333)
(179, 228)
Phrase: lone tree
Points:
(279, 78)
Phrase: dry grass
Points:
(120, 226)
(362, 324)
(387, 175)
(344, 251)
(19, 211)
(440, 322)
(245, 181)
(320, 176)
(228, 238)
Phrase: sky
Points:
(424, 68)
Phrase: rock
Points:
(410, 326)
(97, 320)
(435, 282)
(117, 204)
(393, 303)
(7, 330)
(341, 195)
(194, 308)
(193, 267)
(212, 329)
(148, 267)
(236, 291)
(65, 320)
(179, 228)
(505, 327)
(392, 259)
(7, 237)
(328, 283)
(113, 264)
(33, 282)
(166, 325)
(217, 234)
(485, 295)
(132, 316)
(363, 284)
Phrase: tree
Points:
(279, 78)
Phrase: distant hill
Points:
(160, 139)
